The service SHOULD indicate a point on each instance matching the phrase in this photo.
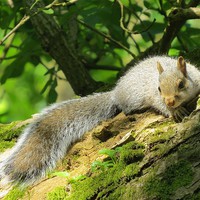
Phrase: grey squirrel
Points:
(46, 140)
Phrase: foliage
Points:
(105, 36)
(109, 162)
(21, 96)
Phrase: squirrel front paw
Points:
(179, 113)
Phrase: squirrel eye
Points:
(159, 89)
(181, 85)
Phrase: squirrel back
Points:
(145, 87)
(47, 139)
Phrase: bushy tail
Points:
(47, 139)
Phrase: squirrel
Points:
(46, 140)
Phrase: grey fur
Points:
(47, 139)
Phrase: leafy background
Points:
(105, 39)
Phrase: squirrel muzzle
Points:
(170, 102)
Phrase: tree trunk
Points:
(54, 41)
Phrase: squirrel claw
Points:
(179, 113)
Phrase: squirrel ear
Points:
(160, 68)
(181, 65)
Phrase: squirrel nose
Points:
(170, 102)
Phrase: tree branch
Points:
(178, 14)
(101, 67)
(177, 19)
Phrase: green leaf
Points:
(49, 11)
(151, 4)
(108, 152)
(13, 70)
(52, 95)
(48, 83)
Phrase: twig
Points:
(136, 44)
(102, 67)
(10, 3)
(161, 10)
(122, 24)
(122, 17)
(54, 72)
(27, 17)
(64, 3)
(22, 21)
(6, 48)
(146, 29)
(107, 37)
(184, 46)
(51, 4)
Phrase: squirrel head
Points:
(173, 83)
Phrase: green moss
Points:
(131, 156)
(88, 186)
(117, 193)
(131, 170)
(175, 176)
(131, 152)
(57, 194)
(160, 135)
(190, 152)
(109, 183)
(160, 126)
(9, 131)
(8, 134)
(5, 145)
(15, 194)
